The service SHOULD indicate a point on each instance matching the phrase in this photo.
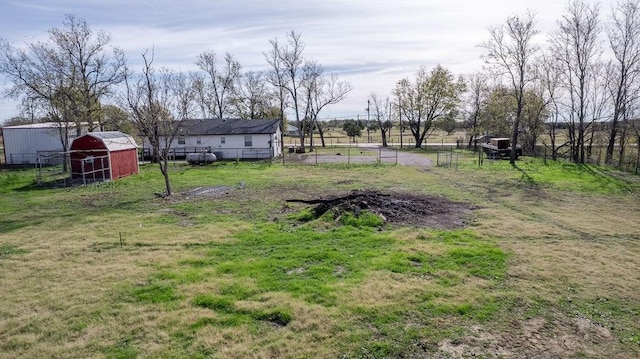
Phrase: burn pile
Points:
(408, 209)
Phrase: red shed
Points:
(101, 156)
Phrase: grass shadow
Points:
(606, 178)
(525, 176)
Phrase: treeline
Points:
(584, 80)
(79, 77)
(576, 91)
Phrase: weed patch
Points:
(155, 293)
(8, 250)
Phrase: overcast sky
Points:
(372, 44)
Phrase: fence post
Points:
(349, 154)
(396, 155)
(316, 153)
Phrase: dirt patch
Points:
(397, 208)
(209, 191)
(532, 338)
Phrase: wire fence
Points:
(342, 155)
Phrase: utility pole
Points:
(389, 103)
(368, 122)
(400, 118)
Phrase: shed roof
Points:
(113, 140)
(229, 126)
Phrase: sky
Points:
(370, 43)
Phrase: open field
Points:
(546, 266)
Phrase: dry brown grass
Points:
(570, 290)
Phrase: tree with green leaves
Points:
(352, 128)
(431, 96)
(115, 118)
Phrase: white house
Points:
(24, 144)
(227, 138)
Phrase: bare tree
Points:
(381, 113)
(550, 74)
(477, 92)
(433, 95)
(624, 69)
(510, 50)
(252, 97)
(217, 86)
(288, 74)
(158, 101)
(277, 77)
(576, 47)
(87, 58)
(66, 77)
(320, 92)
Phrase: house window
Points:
(248, 142)
(181, 140)
(223, 140)
(198, 140)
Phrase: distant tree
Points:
(352, 128)
(497, 113)
(89, 59)
(433, 95)
(252, 98)
(550, 74)
(114, 118)
(66, 77)
(624, 70)
(577, 48)
(157, 103)
(287, 74)
(476, 96)
(448, 123)
(277, 77)
(303, 82)
(509, 52)
(380, 111)
(534, 116)
(321, 92)
(214, 88)
(16, 121)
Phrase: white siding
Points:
(22, 143)
(263, 145)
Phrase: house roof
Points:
(113, 140)
(228, 126)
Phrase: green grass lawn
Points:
(546, 267)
